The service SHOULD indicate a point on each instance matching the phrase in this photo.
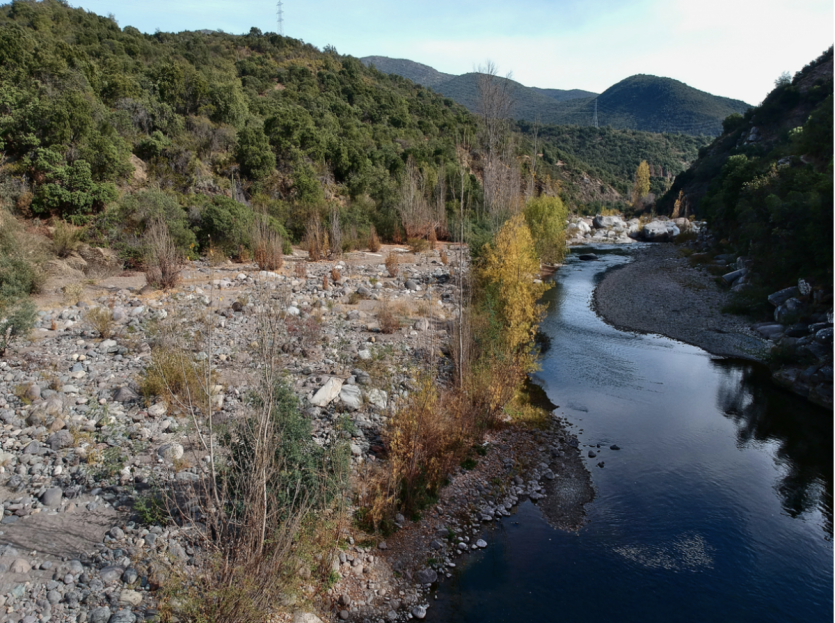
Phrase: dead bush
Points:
(335, 274)
(392, 264)
(373, 241)
(300, 270)
(432, 239)
(335, 233)
(425, 438)
(163, 262)
(444, 258)
(215, 257)
(315, 239)
(100, 320)
(266, 244)
(325, 281)
(389, 322)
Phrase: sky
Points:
(733, 48)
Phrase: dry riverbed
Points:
(80, 445)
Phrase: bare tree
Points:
(439, 217)
(534, 154)
(414, 209)
(501, 181)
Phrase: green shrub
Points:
(308, 474)
(18, 279)
(123, 225)
(228, 224)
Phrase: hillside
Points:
(641, 102)
(765, 184)
(416, 72)
(92, 112)
(614, 155)
(656, 104)
(562, 95)
(105, 127)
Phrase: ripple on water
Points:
(687, 552)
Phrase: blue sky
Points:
(735, 48)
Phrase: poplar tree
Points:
(641, 188)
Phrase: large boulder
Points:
(327, 393)
(788, 310)
(655, 231)
(426, 576)
(607, 222)
(351, 397)
(781, 296)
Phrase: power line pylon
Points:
(279, 9)
(594, 119)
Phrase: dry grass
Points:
(100, 319)
(65, 238)
(373, 241)
(300, 270)
(315, 239)
(432, 239)
(174, 373)
(72, 293)
(163, 264)
(392, 264)
(418, 245)
(389, 323)
(266, 245)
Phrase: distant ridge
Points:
(640, 102)
(416, 72)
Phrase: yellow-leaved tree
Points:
(510, 271)
(546, 218)
(641, 188)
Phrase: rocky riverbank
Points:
(661, 292)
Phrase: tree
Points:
(254, 153)
(546, 218)
(641, 188)
(510, 272)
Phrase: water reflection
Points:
(802, 433)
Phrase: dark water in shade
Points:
(718, 507)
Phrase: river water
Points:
(717, 507)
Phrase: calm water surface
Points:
(718, 507)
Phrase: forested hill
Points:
(83, 103)
(416, 72)
(641, 102)
(614, 155)
(766, 183)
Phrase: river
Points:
(717, 507)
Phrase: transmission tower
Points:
(279, 9)
(594, 119)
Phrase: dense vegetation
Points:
(641, 102)
(613, 155)
(766, 183)
(264, 118)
